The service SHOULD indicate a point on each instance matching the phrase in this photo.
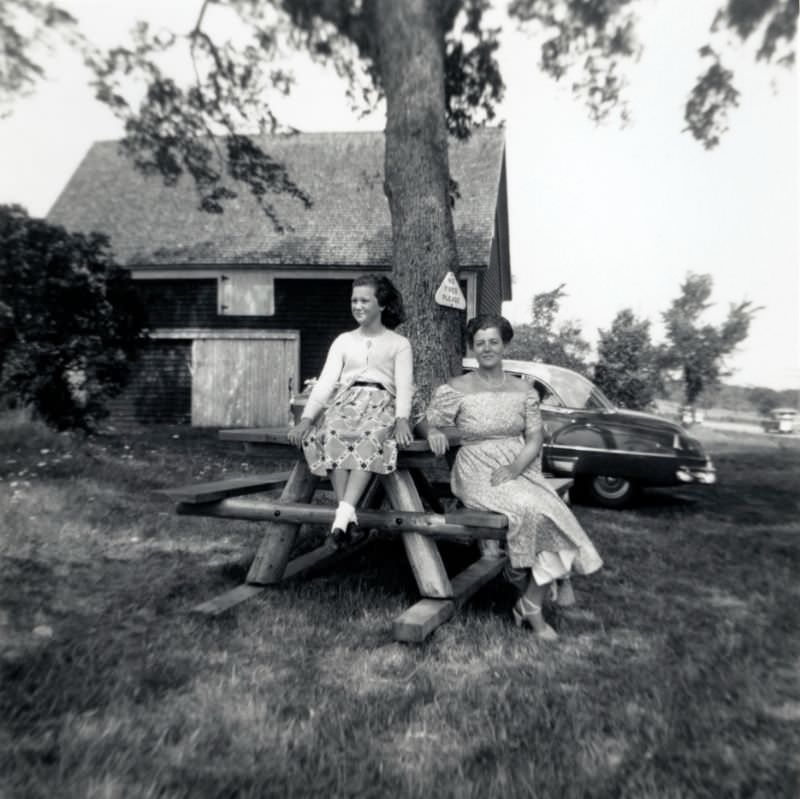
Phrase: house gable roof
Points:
(348, 224)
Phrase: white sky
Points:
(618, 215)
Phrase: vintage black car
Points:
(610, 452)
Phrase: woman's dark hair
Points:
(388, 297)
(483, 321)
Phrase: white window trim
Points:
(472, 293)
(223, 332)
(208, 273)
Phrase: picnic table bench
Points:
(392, 504)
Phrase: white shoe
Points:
(565, 596)
(527, 612)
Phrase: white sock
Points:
(350, 510)
(345, 514)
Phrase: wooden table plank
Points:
(317, 558)
(219, 489)
(453, 524)
(422, 618)
(223, 602)
(321, 556)
(278, 435)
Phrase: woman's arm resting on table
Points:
(402, 432)
(437, 440)
(296, 433)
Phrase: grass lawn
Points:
(677, 674)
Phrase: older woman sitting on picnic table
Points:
(498, 468)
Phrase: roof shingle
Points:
(348, 223)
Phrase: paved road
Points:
(734, 427)
(744, 427)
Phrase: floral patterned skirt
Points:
(353, 433)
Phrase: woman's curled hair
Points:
(484, 321)
(388, 297)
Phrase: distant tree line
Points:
(745, 400)
(630, 368)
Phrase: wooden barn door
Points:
(243, 381)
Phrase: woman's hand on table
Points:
(402, 432)
(296, 433)
(502, 475)
(437, 441)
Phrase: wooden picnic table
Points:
(392, 503)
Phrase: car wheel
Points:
(609, 492)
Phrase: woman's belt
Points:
(368, 384)
(475, 441)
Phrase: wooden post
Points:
(272, 556)
(422, 553)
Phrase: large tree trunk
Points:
(410, 58)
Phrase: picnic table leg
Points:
(422, 552)
(425, 489)
(272, 556)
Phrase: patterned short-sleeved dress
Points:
(543, 534)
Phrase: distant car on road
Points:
(610, 452)
(781, 420)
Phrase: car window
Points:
(577, 392)
(564, 389)
(546, 395)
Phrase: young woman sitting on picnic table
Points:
(358, 411)
(498, 468)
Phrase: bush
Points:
(628, 369)
(70, 321)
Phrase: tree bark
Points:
(410, 58)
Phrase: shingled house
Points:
(238, 311)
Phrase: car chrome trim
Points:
(613, 451)
(686, 475)
(564, 464)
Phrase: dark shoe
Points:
(356, 534)
(342, 538)
(339, 537)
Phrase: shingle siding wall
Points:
(319, 309)
(181, 303)
(489, 288)
(160, 389)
